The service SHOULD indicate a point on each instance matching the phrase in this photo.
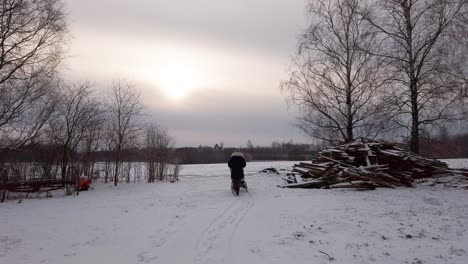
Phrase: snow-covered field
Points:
(456, 163)
(198, 220)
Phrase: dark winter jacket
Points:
(237, 165)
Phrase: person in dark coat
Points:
(237, 165)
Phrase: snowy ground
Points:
(198, 220)
(456, 163)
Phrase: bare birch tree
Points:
(415, 34)
(124, 108)
(107, 144)
(158, 149)
(78, 110)
(92, 140)
(32, 34)
(334, 79)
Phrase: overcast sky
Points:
(209, 70)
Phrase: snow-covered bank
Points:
(199, 221)
(456, 163)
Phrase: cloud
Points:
(234, 51)
(208, 118)
(266, 25)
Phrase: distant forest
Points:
(446, 147)
(184, 155)
(440, 147)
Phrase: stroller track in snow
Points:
(215, 243)
(236, 227)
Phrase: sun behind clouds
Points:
(178, 80)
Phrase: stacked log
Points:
(365, 164)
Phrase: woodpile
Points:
(365, 164)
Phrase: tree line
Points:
(218, 154)
(147, 154)
(445, 146)
(381, 68)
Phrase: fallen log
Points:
(308, 184)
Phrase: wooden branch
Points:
(329, 257)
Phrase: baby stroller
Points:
(237, 164)
(236, 184)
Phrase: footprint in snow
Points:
(255, 251)
(298, 235)
(142, 257)
(159, 243)
(432, 201)
(8, 243)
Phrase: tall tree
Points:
(334, 78)
(159, 146)
(77, 111)
(92, 141)
(415, 34)
(32, 34)
(124, 108)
